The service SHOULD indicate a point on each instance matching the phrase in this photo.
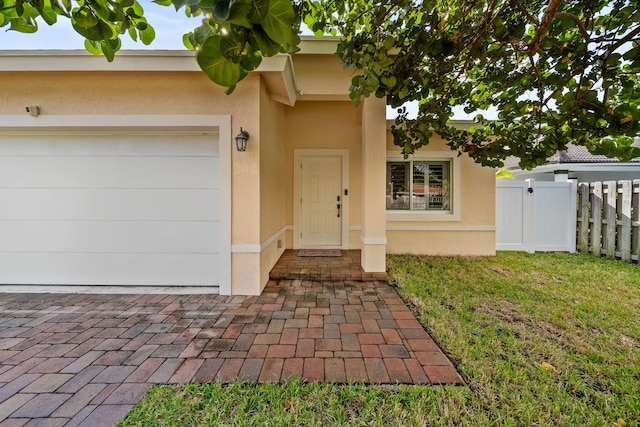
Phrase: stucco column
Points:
(245, 195)
(374, 154)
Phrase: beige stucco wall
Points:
(473, 234)
(150, 93)
(325, 125)
(272, 183)
(62, 93)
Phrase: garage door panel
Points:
(109, 269)
(105, 209)
(109, 204)
(110, 237)
(94, 145)
(107, 172)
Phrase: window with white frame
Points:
(421, 186)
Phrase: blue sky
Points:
(169, 25)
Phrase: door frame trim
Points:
(298, 154)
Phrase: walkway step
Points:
(290, 266)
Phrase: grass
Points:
(541, 339)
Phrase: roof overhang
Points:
(277, 71)
(462, 124)
(581, 167)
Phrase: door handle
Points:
(338, 210)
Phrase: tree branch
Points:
(540, 90)
(382, 17)
(627, 38)
(524, 10)
(578, 22)
(548, 16)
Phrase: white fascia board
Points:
(580, 167)
(125, 60)
(141, 60)
(110, 123)
(80, 60)
(458, 124)
(311, 45)
(280, 77)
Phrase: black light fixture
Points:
(241, 140)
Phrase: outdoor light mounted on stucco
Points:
(241, 140)
(32, 110)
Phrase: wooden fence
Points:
(608, 219)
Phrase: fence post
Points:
(610, 188)
(573, 224)
(596, 218)
(635, 223)
(624, 213)
(583, 233)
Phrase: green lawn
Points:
(541, 339)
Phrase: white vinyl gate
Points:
(536, 215)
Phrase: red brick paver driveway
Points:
(88, 359)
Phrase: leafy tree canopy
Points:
(556, 71)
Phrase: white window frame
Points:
(453, 214)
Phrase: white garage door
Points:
(110, 210)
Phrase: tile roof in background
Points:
(573, 154)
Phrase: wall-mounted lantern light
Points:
(241, 140)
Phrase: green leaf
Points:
(207, 4)
(231, 48)
(250, 60)
(389, 81)
(278, 24)
(11, 9)
(132, 33)
(109, 48)
(46, 11)
(99, 32)
(259, 11)
(147, 35)
(93, 47)
(219, 69)
(202, 33)
(239, 14)
(222, 9)
(186, 41)
(101, 8)
(22, 26)
(267, 46)
(83, 18)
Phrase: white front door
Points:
(321, 201)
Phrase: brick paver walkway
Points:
(346, 267)
(88, 359)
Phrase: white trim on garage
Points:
(148, 124)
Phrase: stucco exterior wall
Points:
(325, 125)
(123, 92)
(272, 183)
(149, 93)
(473, 234)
